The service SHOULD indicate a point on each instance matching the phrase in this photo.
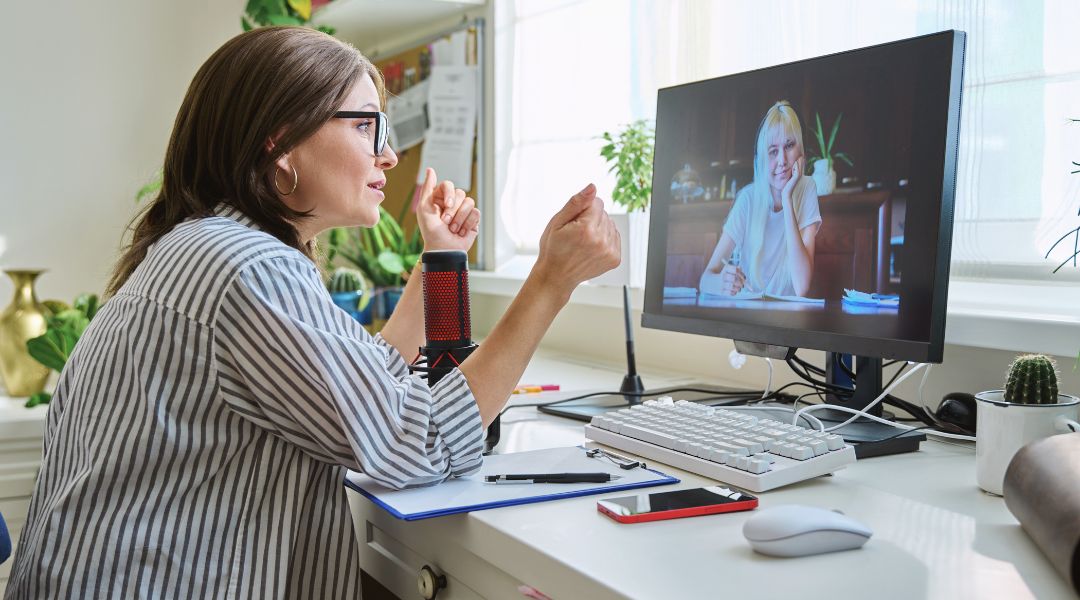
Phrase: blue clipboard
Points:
(467, 494)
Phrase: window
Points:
(566, 71)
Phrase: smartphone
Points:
(677, 504)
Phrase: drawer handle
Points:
(428, 582)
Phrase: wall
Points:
(596, 333)
(87, 102)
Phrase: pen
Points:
(551, 478)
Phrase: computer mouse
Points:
(958, 408)
(796, 530)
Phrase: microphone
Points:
(447, 322)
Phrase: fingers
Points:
(445, 197)
(465, 208)
(579, 203)
(426, 196)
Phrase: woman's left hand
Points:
(448, 219)
(796, 175)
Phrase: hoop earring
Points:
(296, 181)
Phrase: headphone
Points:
(957, 412)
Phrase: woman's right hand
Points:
(732, 279)
(579, 243)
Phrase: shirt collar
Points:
(231, 212)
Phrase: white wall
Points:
(88, 94)
(596, 333)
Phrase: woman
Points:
(199, 435)
(774, 220)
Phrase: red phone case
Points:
(711, 509)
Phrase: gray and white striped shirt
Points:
(198, 439)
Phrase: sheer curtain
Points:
(574, 68)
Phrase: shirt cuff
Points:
(395, 362)
(457, 419)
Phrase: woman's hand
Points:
(732, 280)
(579, 243)
(796, 175)
(448, 219)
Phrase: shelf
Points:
(381, 24)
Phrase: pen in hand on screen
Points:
(551, 478)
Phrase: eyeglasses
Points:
(382, 131)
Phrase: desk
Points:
(935, 534)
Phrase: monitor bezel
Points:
(893, 349)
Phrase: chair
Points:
(5, 541)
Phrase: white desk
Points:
(936, 535)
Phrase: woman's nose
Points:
(388, 159)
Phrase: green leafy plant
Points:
(261, 13)
(630, 153)
(1032, 380)
(384, 253)
(64, 328)
(825, 147)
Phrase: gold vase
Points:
(22, 320)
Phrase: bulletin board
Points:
(400, 70)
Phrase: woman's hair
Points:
(272, 82)
(780, 118)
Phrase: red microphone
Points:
(447, 322)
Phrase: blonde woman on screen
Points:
(774, 220)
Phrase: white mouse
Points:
(796, 530)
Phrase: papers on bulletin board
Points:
(408, 119)
(452, 106)
(466, 494)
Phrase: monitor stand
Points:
(869, 437)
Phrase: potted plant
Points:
(64, 326)
(384, 254)
(349, 290)
(1029, 408)
(821, 164)
(629, 151)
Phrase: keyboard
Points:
(754, 453)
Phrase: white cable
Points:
(859, 413)
(768, 384)
(922, 384)
(814, 421)
(862, 412)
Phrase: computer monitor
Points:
(810, 204)
(850, 253)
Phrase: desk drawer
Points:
(393, 552)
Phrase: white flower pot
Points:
(824, 177)
(634, 230)
(1005, 427)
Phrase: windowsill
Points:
(1020, 316)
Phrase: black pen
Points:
(551, 478)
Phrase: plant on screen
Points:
(825, 146)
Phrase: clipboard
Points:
(467, 494)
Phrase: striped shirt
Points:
(198, 439)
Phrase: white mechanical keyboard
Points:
(753, 453)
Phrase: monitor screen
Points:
(810, 204)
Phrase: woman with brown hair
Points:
(198, 437)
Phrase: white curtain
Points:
(580, 67)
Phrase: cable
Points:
(859, 413)
(885, 392)
(891, 437)
(768, 384)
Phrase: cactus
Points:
(1032, 380)
(346, 280)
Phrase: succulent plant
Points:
(1032, 380)
(345, 280)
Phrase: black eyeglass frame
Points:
(382, 129)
